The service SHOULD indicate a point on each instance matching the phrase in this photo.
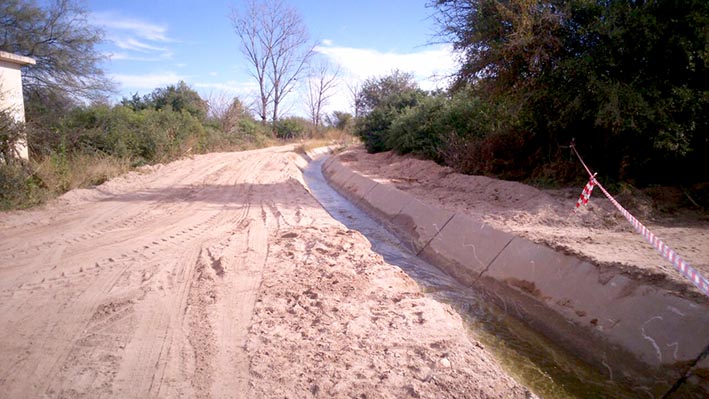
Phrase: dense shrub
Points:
(626, 79)
(18, 188)
(340, 120)
(245, 135)
(74, 145)
(379, 103)
(419, 129)
(438, 121)
(291, 128)
(374, 127)
(79, 145)
(465, 131)
(10, 133)
(179, 97)
(144, 136)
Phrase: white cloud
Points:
(232, 87)
(135, 36)
(130, 57)
(145, 30)
(148, 81)
(431, 68)
(136, 45)
(327, 42)
(428, 66)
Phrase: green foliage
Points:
(75, 146)
(419, 129)
(391, 91)
(374, 127)
(144, 136)
(175, 97)
(159, 127)
(59, 37)
(340, 120)
(251, 128)
(463, 130)
(291, 128)
(11, 133)
(625, 79)
(18, 187)
(380, 101)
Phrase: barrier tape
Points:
(668, 253)
(586, 193)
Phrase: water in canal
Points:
(530, 358)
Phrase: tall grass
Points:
(27, 184)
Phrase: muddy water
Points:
(534, 361)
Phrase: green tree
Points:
(419, 129)
(340, 120)
(379, 102)
(385, 91)
(136, 102)
(625, 78)
(291, 128)
(177, 97)
(503, 44)
(58, 35)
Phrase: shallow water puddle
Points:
(530, 358)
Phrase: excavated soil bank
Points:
(598, 232)
(639, 325)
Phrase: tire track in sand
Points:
(108, 314)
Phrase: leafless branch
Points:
(275, 41)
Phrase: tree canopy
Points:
(627, 79)
(379, 102)
(177, 97)
(381, 91)
(58, 35)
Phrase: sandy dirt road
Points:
(218, 277)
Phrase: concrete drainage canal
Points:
(535, 361)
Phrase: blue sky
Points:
(159, 42)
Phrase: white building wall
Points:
(11, 99)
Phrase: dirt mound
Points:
(597, 232)
(351, 325)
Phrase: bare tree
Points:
(226, 110)
(275, 41)
(355, 89)
(320, 84)
(217, 104)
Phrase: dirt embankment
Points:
(598, 232)
(218, 276)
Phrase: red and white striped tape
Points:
(586, 193)
(668, 253)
